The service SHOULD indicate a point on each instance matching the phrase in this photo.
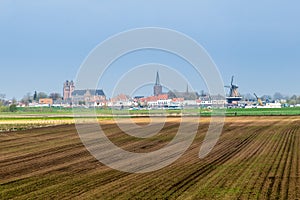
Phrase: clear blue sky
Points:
(43, 43)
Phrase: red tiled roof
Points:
(178, 99)
(155, 98)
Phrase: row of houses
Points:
(122, 101)
(97, 98)
(73, 97)
(155, 103)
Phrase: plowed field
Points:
(255, 158)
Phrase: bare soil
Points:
(255, 158)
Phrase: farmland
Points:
(256, 158)
(107, 111)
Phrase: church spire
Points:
(157, 87)
(157, 82)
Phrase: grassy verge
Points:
(67, 113)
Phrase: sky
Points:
(44, 43)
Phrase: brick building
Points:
(68, 89)
(88, 97)
(157, 87)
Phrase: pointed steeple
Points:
(157, 82)
(157, 87)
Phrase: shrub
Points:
(13, 108)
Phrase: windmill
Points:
(233, 89)
(234, 95)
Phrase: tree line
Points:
(291, 100)
(7, 106)
(11, 105)
(29, 98)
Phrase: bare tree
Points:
(27, 99)
(293, 100)
(41, 95)
(266, 97)
(14, 100)
(278, 96)
(55, 96)
(249, 96)
(2, 99)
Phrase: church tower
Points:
(69, 88)
(157, 86)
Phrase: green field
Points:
(26, 118)
(263, 111)
(68, 112)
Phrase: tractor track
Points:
(183, 185)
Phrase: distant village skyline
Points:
(158, 89)
(159, 98)
(44, 45)
(69, 87)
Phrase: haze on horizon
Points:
(42, 44)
